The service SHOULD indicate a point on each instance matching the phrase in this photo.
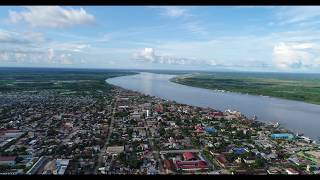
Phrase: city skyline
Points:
(245, 38)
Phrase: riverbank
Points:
(305, 88)
(297, 116)
(208, 135)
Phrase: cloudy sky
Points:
(206, 38)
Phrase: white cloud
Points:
(15, 38)
(294, 55)
(4, 57)
(12, 37)
(149, 55)
(52, 16)
(173, 11)
(69, 46)
(34, 48)
(50, 54)
(299, 14)
(195, 27)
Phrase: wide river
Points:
(297, 116)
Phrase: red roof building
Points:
(216, 114)
(199, 129)
(159, 109)
(222, 160)
(192, 165)
(188, 156)
(168, 164)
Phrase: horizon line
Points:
(133, 69)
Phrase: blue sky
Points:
(245, 38)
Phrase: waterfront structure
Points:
(285, 136)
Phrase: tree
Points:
(259, 163)
(195, 142)
(162, 131)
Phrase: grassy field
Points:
(64, 81)
(300, 87)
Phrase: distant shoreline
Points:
(190, 81)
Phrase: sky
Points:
(236, 38)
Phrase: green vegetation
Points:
(63, 81)
(300, 87)
(130, 160)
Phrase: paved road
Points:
(103, 150)
(180, 151)
(38, 165)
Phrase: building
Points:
(199, 129)
(168, 164)
(192, 165)
(148, 113)
(114, 150)
(8, 160)
(217, 114)
(188, 156)
(210, 130)
(135, 115)
(239, 150)
(292, 171)
(221, 159)
(284, 136)
(62, 165)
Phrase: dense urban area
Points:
(83, 125)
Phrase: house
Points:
(292, 171)
(135, 115)
(210, 130)
(199, 129)
(217, 114)
(223, 162)
(239, 150)
(249, 160)
(274, 170)
(8, 160)
(168, 164)
(159, 109)
(114, 150)
(294, 160)
(188, 156)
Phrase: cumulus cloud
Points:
(52, 16)
(39, 57)
(34, 48)
(149, 55)
(12, 37)
(294, 55)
